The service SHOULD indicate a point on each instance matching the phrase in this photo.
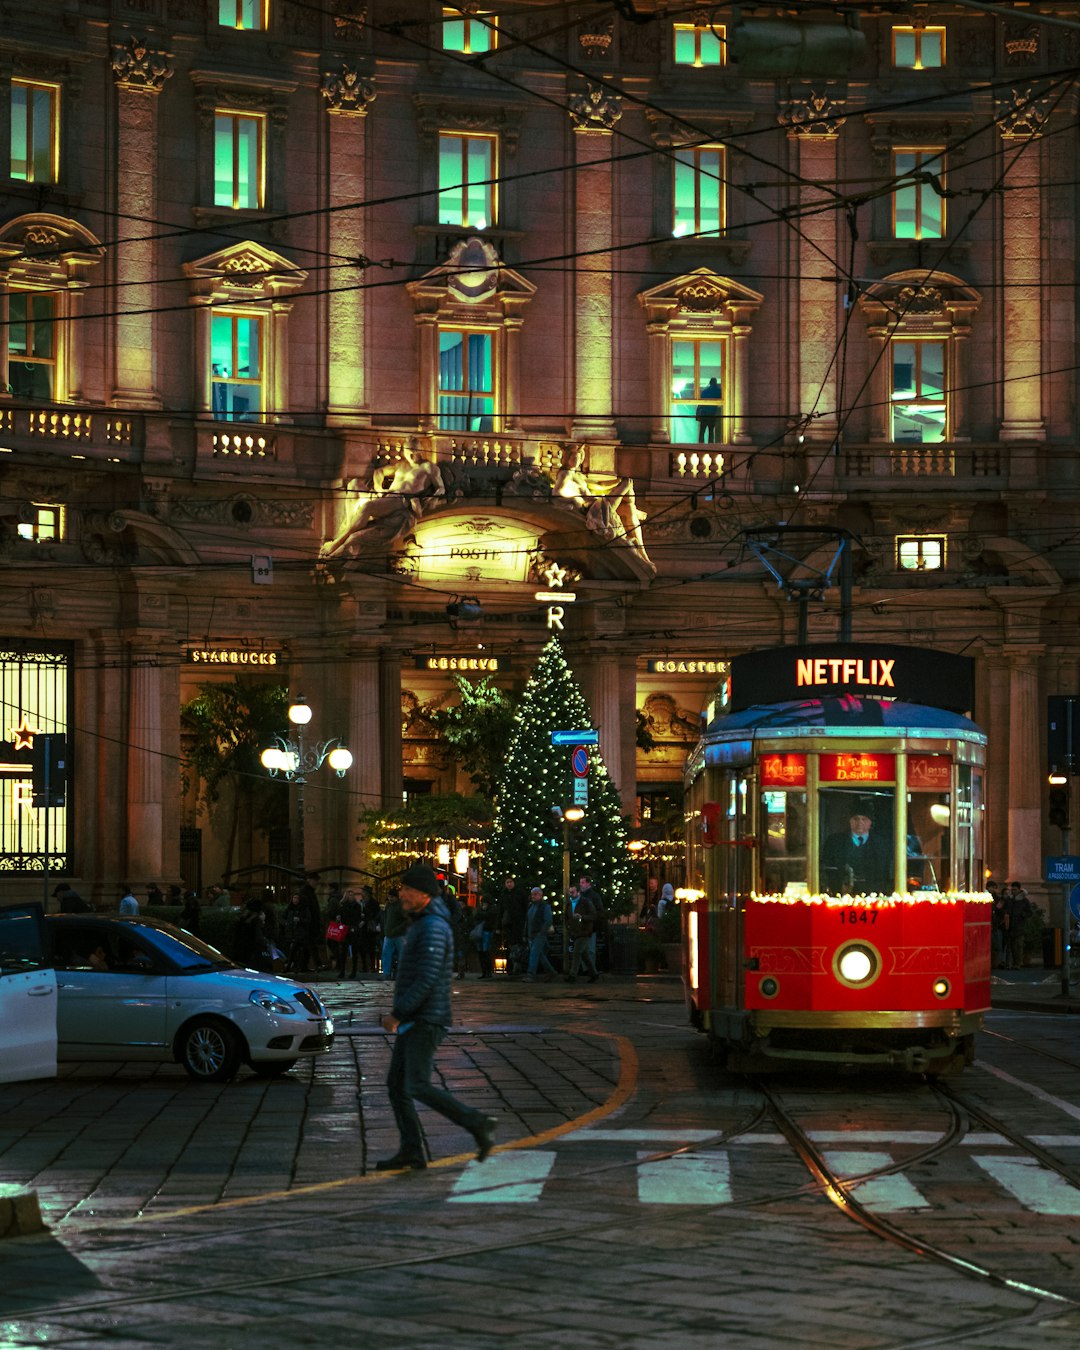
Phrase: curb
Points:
(20, 1213)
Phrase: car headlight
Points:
(263, 998)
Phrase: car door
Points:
(112, 992)
(27, 996)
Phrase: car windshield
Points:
(184, 950)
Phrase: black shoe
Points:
(485, 1137)
(399, 1162)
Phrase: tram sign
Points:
(857, 766)
(1064, 868)
(783, 771)
(833, 669)
(589, 736)
(929, 773)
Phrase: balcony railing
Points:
(88, 431)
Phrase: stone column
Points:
(1020, 121)
(1025, 779)
(348, 95)
(992, 714)
(610, 684)
(390, 748)
(145, 800)
(375, 727)
(140, 73)
(813, 118)
(594, 115)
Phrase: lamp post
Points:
(569, 815)
(294, 761)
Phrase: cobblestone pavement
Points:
(649, 1202)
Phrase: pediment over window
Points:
(702, 294)
(43, 249)
(245, 270)
(473, 278)
(916, 300)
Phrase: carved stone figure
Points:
(396, 505)
(607, 500)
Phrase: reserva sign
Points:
(870, 670)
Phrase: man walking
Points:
(419, 1020)
(538, 924)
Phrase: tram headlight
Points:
(857, 964)
(941, 988)
(769, 987)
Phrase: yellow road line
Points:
(624, 1090)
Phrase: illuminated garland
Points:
(876, 901)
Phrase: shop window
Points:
(467, 168)
(236, 367)
(697, 390)
(920, 553)
(700, 44)
(31, 370)
(918, 207)
(918, 48)
(468, 33)
(918, 403)
(48, 523)
(243, 13)
(698, 190)
(239, 160)
(35, 138)
(466, 381)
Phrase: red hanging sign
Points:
(783, 771)
(857, 766)
(929, 773)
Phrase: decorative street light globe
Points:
(300, 712)
(295, 761)
(340, 759)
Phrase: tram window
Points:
(969, 831)
(783, 840)
(857, 832)
(929, 864)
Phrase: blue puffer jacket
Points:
(422, 989)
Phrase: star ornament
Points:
(23, 735)
(554, 575)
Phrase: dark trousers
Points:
(409, 1079)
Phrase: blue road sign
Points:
(588, 737)
(1064, 868)
(1074, 902)
(579, 761)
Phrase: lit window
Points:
(468, 33)
(238, 160)
(697, 390)
(236, 367)
(243, 13)
(466, 174)
(35, 140)
(918, 208)
(920, 553)
(48, 523)
(698, 191)
(699, 45)
(31, 371)
(919, 406)
(918, 48)
(466, 381)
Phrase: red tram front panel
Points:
(900, 956)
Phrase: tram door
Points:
(736, 877)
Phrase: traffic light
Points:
(49, 768)
(1059, 805)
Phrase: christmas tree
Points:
(538, 781)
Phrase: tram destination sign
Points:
(872, 669)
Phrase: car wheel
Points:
(273, 1068)
(210, 1051)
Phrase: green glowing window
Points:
(919, 403)
(35, 141)
(466, 173)
(236, 367)
(918, 209)
(697, 390)
(466, 381)
(699, 44)
(918, 48)
(48, 523)
(31, 345)
(243, 13)
(239, 169)
(468, 33)
(698, 191)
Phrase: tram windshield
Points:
(929, 866)
(856, 842)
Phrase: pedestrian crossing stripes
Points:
(723, 1175)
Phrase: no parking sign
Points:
(579, 761)
(1074, 901)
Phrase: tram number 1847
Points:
(858, 916)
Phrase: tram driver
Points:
(856, 861)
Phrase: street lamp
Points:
(294, 761)
(569, 815)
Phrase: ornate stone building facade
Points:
(319, 318)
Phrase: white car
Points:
(137, 989)
(27, 996)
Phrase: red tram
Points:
(835, 819)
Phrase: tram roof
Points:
(848, 717)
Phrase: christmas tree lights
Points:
(538, 781)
